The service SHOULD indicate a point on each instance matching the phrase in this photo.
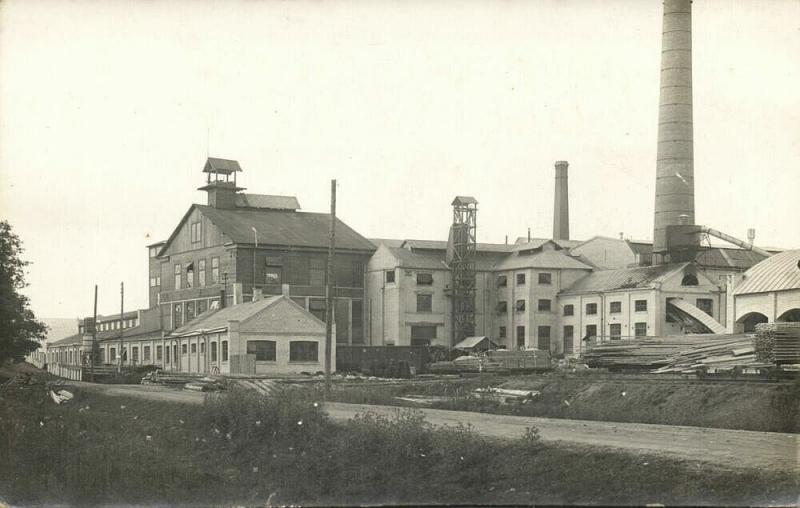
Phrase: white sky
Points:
(107, 109)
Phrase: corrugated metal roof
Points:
(59, 328)
(435, 260)
(551, 259)
(426, 260)
(564, 244)
(628, 278)
(215, 320)
(267, 201)
(214, 164)
(780, 272)
(283, 228)
(442, 245)
(389, 242)
(464, 200)
(471, 342)
(67, 341)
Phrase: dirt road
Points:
(730, 449)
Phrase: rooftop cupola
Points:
(221, 188)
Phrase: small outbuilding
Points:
(270, 336)
(475, 344)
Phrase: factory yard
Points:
(722, 448)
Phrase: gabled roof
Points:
(564, 244)
(464, 200)
(389, 242)
(267, 201)
(641, 277)
(59, 328)
(547, 259)
(216, 320)
(279, 228)
(72, 340)
(426, 260)
(780, 272)
(224, 166)
(442, 245)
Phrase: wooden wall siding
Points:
(296, 266)
(227, 264)
(210, 236)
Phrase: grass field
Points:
(240, 448)
(742, 406)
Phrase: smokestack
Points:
(561, 203)
(675, 159)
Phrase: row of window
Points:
(423, 278)
(299, 350)
(544, 279)
(165, 353)
(188, 280)
(543, 334)
(543, 305)
(615, 307)
(115, 325)
(190, 309)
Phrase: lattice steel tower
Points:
(461, 258)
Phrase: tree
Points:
(20, 332)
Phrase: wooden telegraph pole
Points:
(94, 334)
(121, 311)
(329, 292)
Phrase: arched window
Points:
(690, 280)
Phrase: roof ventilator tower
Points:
(461, 247)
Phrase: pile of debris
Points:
(714, 355)
(195, 382)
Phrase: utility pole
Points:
(255, 249)
(121, 311)
(94, 333)
(329, 292)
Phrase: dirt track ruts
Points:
(729, 449)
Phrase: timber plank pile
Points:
(644, 353)
(678, 354)
(779, 342)
(722, 353)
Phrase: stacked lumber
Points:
(643, 353)
(679, 354)
(780, 342)
(722, 353)
(194, 382)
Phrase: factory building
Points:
(643, 301)
(408, 286)
(769, 292)
(221, 253)
(517, 288)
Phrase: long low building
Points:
(769, 292)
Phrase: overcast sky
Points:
(109, 109)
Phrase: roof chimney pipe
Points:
(675, 152)
(561, 203)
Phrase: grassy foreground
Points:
(240, 448)
(761, 407)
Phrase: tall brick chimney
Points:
(675, 153)
(561, 203)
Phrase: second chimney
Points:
(561, 203)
